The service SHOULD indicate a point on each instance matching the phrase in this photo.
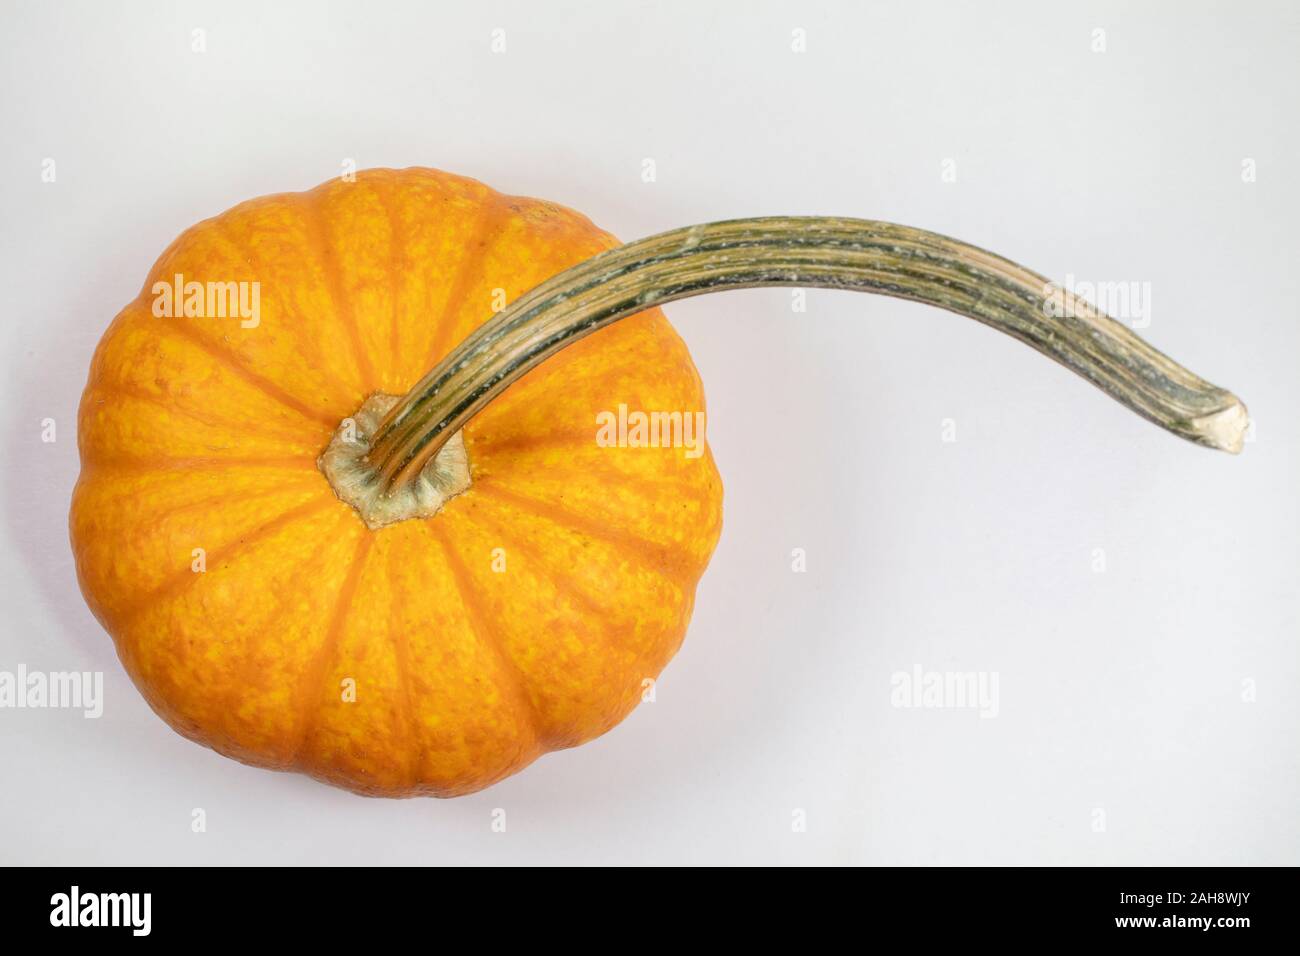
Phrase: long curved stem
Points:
(861, 255)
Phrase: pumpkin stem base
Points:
(356, 482)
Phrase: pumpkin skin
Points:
(199, 433)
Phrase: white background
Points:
(1121, 692)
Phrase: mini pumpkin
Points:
(315, 554)
(253, 608)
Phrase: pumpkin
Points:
(254, 610)
(341, 518)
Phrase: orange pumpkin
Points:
(422, 594)
(260, 616)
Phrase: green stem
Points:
(856, 254)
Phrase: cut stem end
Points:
(1225, 429)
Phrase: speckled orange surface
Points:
(197, 433)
